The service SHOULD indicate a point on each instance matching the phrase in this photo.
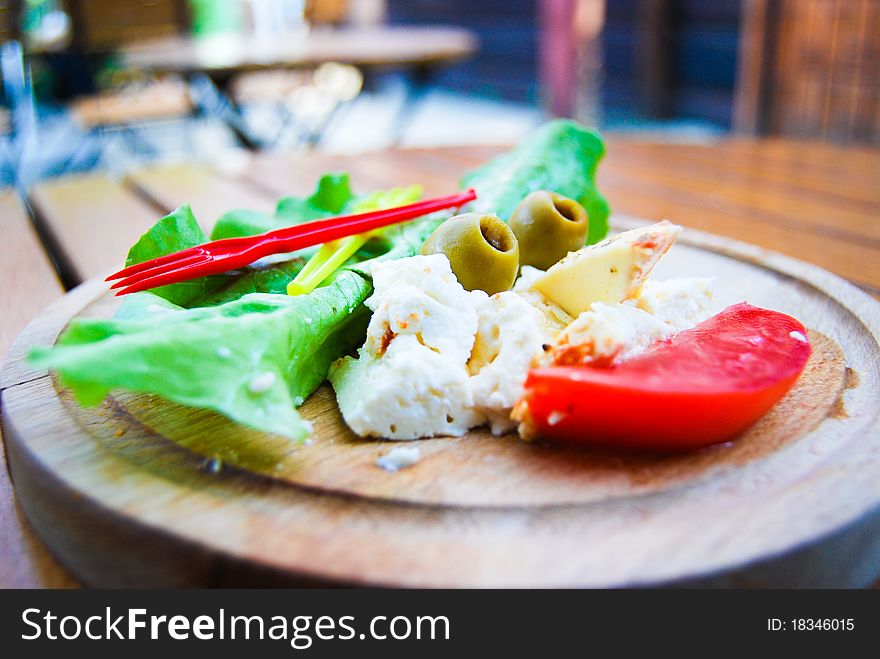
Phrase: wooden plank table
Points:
(815, 202)
(29, 284)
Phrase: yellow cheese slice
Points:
(610, 271)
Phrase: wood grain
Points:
(208, 191)
(154, 505)
(809, 68)
(92, 221)
(29, 279)
(29, 285)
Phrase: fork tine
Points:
(182, 273)
(152, 263)
(170, 266)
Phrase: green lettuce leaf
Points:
(332, 196)
(253, 360)
(562, 156)
(271, 277)
(174, 232)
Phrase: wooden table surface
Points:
(815, 202)
(365, 47)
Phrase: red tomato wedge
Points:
(703, 386)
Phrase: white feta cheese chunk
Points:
(613, 332)
(510, 334)
(420, 296)
(399, 457)
(410, 392)
(410, 378)
(678, 303)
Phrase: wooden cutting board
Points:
(139, 492)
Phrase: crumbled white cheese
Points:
(604, 333)
(421, 298)
(677, 303)
(438, 360)
(612, 332)
(260, 384)
(399, 457)
(223, 352)
(409, 392)
(510, 333)
(409, 379)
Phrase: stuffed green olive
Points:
(548, 226)
(481, 249)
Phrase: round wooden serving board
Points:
(139, 492)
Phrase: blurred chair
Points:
(10, 30)
(17, 89)
(293, 107)
(19, 115)
(570, 56)
(36, 147)
(303, 101)
(101, 26)
(810, 68)
(125, 111)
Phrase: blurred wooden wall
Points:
(671, 58)
(810, 68)
(104, 25)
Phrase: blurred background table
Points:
(816, 202)
(226, 55)
(419, 52)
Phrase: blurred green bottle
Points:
(210, 17)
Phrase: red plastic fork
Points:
(232, 253)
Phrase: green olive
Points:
(481, 248)
(548, 226)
